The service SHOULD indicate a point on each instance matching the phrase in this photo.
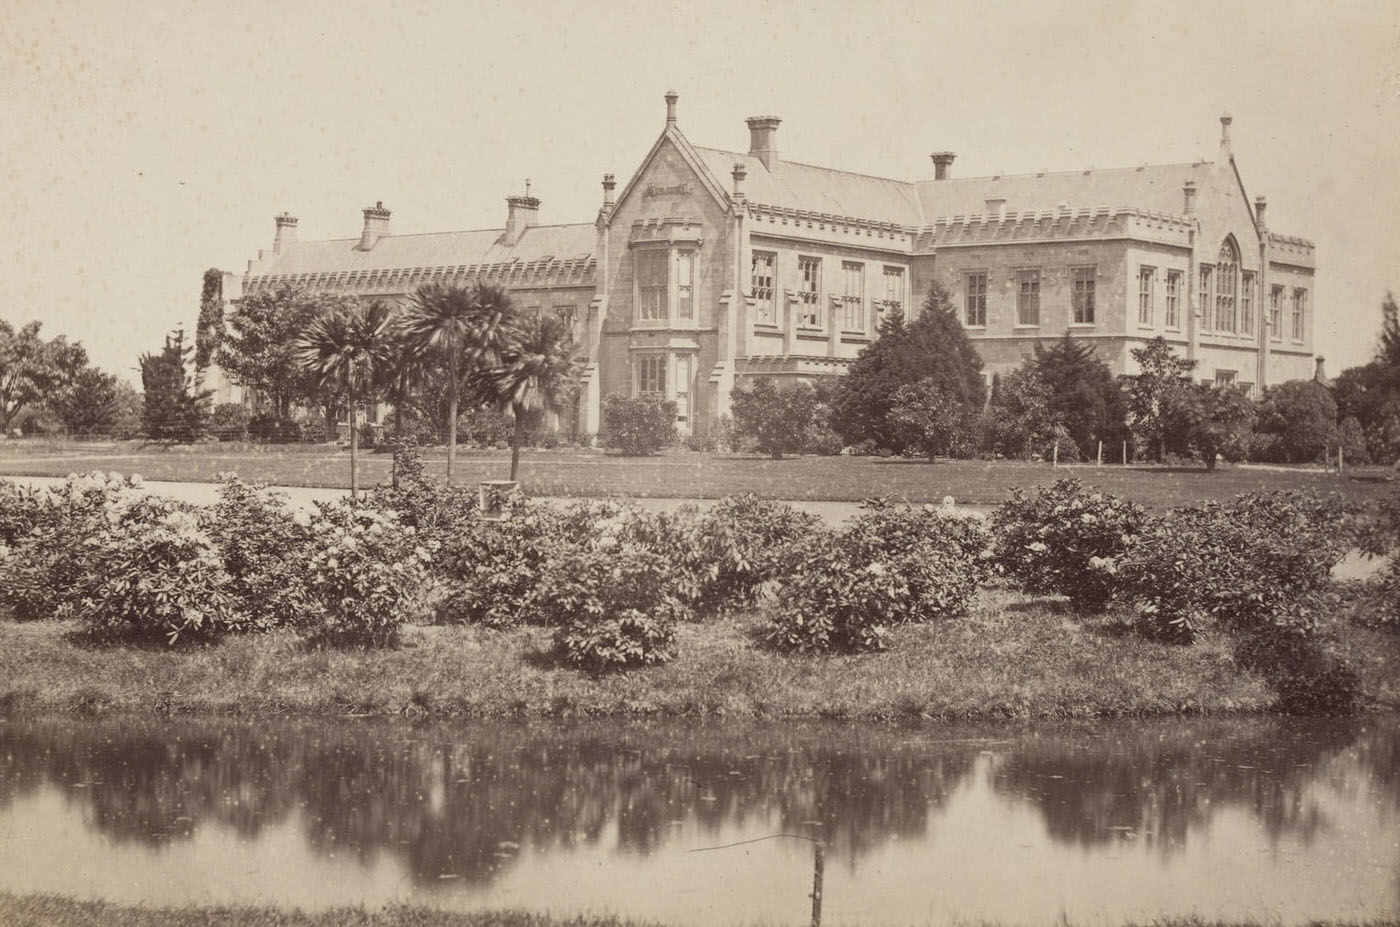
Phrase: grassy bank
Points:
(689, 475)
(52, 911)
(1011, 658)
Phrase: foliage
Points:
(87, 404)
(1155, 393)
(209, 330)
(1081, 394)
(1065, 540)
(21, 510)
(640, 426)
(734, 549)
(229, 422)
(490, 569)
(931, 415)
(32, 369)
(1018, 421)
(934, 345)
(438, 511)
(775, 419)
(1370, 396)
(485, 426)
(173, 408)
(1303, 417)
(1352, 441)
(152, 573)
(365, 573)
(129, 404)
(1256, 564)
(612, 608)
(1306, 678)
(263, 548)
(1215, 421)
(259, 345)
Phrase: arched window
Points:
(1227, 275)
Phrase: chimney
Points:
(671, 98)
(376, 225)
(1225, 120)
(609, 184)
(996, 205)
(286, 232)
(1320, 373)
(740, 173)
(1188, 191)
(763, 139)
(524, 211)
(942, 160)
(1260, 204)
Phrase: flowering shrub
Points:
(890, 565)
(490, 568)
(365, 572)
(736, 547)
(152, 573)
(639, 427)
(1258, 563)
(21, 510)
(1065, 540)
(263, 547)
(612, 607)
(437, 510)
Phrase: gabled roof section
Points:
(436, 249)
(1156, 188)
(820, 190)
(690, 154)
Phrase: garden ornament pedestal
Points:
(491, 496)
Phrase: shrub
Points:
(21, 509)
(821, 440)
(310, 429)
(365, 573)
(485, 426)
(491, 568)
(1382, 606)
(153, 573)
(639, 427)
(1306, 678)
(263, 549)
(612, 608)
(775, 419)
(229, 422)
(1256, 564)
(1065, 540)
(736, 547)
(437, 510)
(267, 427)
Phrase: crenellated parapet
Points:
(1290, 249)
(515, 274)
(666, 229)
(829, 226)
(1054, 224)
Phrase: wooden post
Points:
(1125, 452)
(818, 865)
(1100, 463)
(1339, 458)
(1055, 455)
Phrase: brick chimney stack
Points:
(522, 212)
(1260, 204)
(1188, 195)
(942, 161)
(609, 185)
(376, 225)
(763, 139)
(286, 232)
(1225, 120)
(740, 173)
(671, 98)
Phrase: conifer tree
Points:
(173, 408)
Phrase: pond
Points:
(1260, 818)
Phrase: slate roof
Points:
(433, 249)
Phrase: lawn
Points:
(683, 474)
(1010, 658)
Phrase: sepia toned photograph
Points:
(727, 464)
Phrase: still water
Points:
(1263, 818)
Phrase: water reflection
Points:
(467, 804)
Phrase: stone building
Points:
(709, 267)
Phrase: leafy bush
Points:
(437, 510)
(612, 608)
(1305, 677)
(152, 573)
(639, 427)
(21, 509)
(1065, 540)
(1258, 563)
(736, 547)
(365, 573)
(229, 422)
(485, 426)
(821, 440)
(267, 427)
(891, 564)
(490, 569)
(263, 549)
(775, 419)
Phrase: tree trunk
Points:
(451, 411)
(398, 438)
(516, 440)
(1210, 461)
(354, 440)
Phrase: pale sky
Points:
(144, 142)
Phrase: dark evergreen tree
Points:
(1082, 394)
(173, 408)
(209, 332)
(934, 345)
(87, 405)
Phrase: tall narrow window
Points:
(1173, 299)
(1276, 313)
(853, 296)
(1147, 291)
(1028, 296)
(894, 290)
(651, 374)
(1084, 281)
(683, 388)
(1246, 302)
(809, 272)
(1227, 269)
(652, 285)
(761, 282)
(568, 315)
(976, 300)
(685, 284)
(1205, 296)
(1300, 308)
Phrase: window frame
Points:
(757, 290)
(1027, 276)
(890, 303)
(1172, 321)
(975, 295)
(1207, 289)
(809, 298)
(1246, 302)
(643, 376)
(1084, 301)
(645, 263)
(853, 304)
(1276, 292)
(1147, 296)
(1297, 329)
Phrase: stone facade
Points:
(710, 266)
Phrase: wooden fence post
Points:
(818, 865)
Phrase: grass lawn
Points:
(1010, 658)
(682, 474)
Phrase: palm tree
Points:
(466, 330)
(539, 373)
(401, 379)
(344, 350)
